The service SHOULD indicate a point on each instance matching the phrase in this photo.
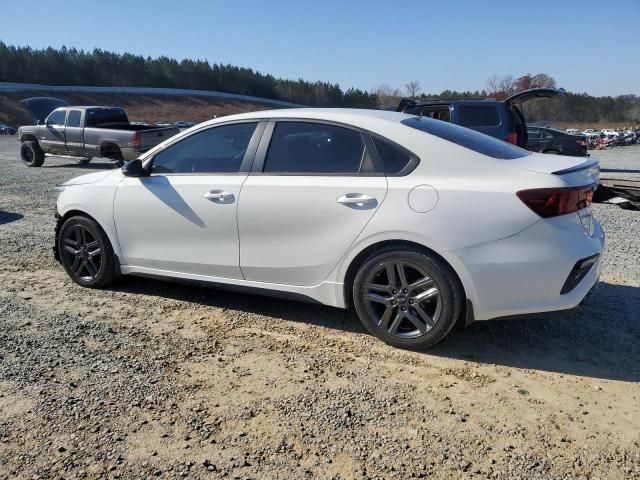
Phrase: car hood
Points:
(532, 93)
(41, 107)
(88, 178)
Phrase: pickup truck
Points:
(84, 132)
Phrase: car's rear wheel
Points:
(407, 298)
(31, 154)
(84, 161)
(86, 253)
(552, 152)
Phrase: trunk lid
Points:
(41, 107)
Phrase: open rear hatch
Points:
(542, 92)
(41, 107)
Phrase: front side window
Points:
(57, 117)
(315, 149)
(478, 116)
(216, 150)
(73, 120)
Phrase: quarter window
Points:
(73, 120)
(315, 148)
(393, 158)
(216, 150)
(534, 134)
(57, 117)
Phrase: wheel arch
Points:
(460, 273)
(111, 150)
(28, 137)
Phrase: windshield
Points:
(476, 141)
(103, 116)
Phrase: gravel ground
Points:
(152, 379)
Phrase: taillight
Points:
(552, 202)
(512, 138)
(581, 142)
(136, 140)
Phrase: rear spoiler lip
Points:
(577, 168)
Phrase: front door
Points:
(52, 133)
(315, 191)
(182, 218)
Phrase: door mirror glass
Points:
(134, 168)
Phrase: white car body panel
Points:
(289, 233)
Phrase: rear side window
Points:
(105, 116)
(57, 117)
(216, 150)
(73, 119)
(478, 116)
(467, 138)
(395, 160)
(315, 149)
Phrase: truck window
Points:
(73, 119)
(57, 117)
(478, 116)
(98, 117)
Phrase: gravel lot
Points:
(151, 379)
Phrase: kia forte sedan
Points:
(411, 222)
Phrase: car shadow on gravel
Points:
(598, 340)
(601, 339)
(8, 217)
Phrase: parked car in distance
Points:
(611, 133)
(575, 131)
(183, 124)
(7, 130)
(503, 120)
(411, 221)
(550, 140)
(84, 132)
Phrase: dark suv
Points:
(500, 119)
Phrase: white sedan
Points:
(412, 222)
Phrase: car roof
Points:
(351, 116)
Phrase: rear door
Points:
(313, 189)
(52, 134)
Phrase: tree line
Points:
(70, 66)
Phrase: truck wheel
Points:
(31, 154)
(84, 161)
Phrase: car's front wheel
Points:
(408, 298)
(31, 154)
(86, 253)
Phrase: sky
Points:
(587, 46)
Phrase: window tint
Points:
(393, 158)
(476, 141)
(315, 148)
(56, 118)
(216, 150)
(103, 116)
(478, 116)
(73, 119)
(534, 133)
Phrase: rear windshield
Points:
(476, 141)
(103, 116)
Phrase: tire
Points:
(552, 152)
(78, 241)
(432, 292)
(84, 161)
(31, 154)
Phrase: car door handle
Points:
(219, 195)
(356, 199)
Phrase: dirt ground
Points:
(148, 379)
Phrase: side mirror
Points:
(134, 168)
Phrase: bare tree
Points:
(413, 88)
(501, 87)
(387, 96)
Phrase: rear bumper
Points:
(526, 273)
